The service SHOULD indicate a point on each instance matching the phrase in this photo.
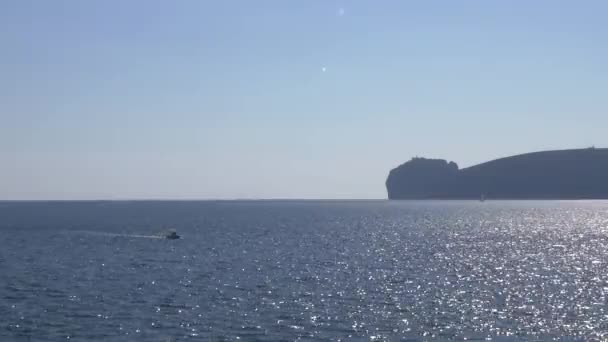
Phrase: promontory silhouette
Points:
(563, 174)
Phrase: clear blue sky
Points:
(292, 99)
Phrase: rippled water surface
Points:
(310, 270)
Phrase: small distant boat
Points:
(482, 198)
(172, 235)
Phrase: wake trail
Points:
(89, 232)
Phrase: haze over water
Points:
(303, 270)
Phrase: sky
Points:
(189, 99)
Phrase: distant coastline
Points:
(559, 174)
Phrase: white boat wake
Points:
(89, 232)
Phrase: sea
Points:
(304, 271)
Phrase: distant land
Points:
(562, 174)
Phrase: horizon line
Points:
(192, 199)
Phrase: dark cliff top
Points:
(575, 173)
(553, 155)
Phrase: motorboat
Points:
(172, 235)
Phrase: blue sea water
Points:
(304, 270)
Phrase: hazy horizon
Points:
(112, 100)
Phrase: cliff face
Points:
(566, 174)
